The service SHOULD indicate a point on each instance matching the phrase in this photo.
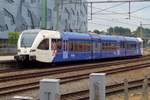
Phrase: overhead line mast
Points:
(116, 1)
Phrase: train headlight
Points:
(32, 50)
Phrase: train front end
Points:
(25, 46)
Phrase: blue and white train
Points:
(54, 46)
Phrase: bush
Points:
(13, 38)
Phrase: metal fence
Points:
(7, 47)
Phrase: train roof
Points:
(118, 38)
(40, 32)
(33, 30)
(111, 37)
(131, 39)
(74, 35)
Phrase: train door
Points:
(99, 48)
(125, 47)
(43, 51)
(91, 48)
(122, 48)
(65, 49)
(96, 47)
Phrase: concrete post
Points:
(126, 96)
(97, 86)
(145, 89)
(49, 89)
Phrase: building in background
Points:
(62, 15)
(18, 15)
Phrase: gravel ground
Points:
(133, 95)
(146, 51)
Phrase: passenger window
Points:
(70, 45)
(59, 45)
(56, 44)
(131, 46)
(44, 45)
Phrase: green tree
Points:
(110, 30)
(119, 31)
(13, 38)
(137, 32)
(96, 31)
(99, 32)
(145, 32)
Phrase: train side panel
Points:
(79, 47)
(74, 47)
(95, 46)
(111, 46)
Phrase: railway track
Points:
(23, 83)
(84, 94)
(17, 68)
(15, 74)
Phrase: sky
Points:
(105, 15)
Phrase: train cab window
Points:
(44, 45)
(59, 44)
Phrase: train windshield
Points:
(28, 38)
